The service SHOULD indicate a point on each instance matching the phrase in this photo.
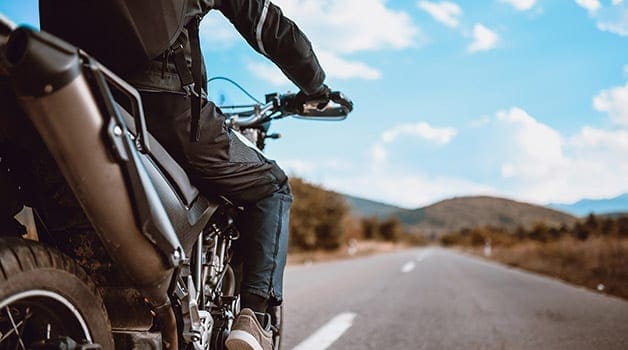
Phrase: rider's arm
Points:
(265, 28)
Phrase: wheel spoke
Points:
(4, 336)
(19, 337)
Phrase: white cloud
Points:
(539, 147)
(612, 18)
(614, 101)
(476, 123)
(404, 189)
(338, 28)
(423, 131)
(530, 160)
(589, 5)
(508, 170)
(268, 72)
(544, 166)
(446, 12)
(217, 33)
(348, 26)
(592, 138)
(379, 153)
(335, 67)
(308, 168)
(297, 166)
(521, 5)
(483, 39)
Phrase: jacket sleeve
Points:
(265, 28)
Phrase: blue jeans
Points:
(263, 245)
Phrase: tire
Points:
(46, 295)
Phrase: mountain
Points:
(361, 207)
(584, 207)
(468, 212)
(463, 212)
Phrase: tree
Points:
(391, 229)
(479, 236)
(540, 232)
(608, 226)
(370, 228)
(581, 231)
(316, 218)
(622, 226)
(592, 223)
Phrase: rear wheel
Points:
(45, 295)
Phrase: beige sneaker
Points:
(248, 333)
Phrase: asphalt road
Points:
(438, 299)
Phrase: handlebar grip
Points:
(298, 104)
(340, 98)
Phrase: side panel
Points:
(187, 222)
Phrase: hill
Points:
(361, 207)
(468, 212)
(584, 207)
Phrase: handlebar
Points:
(317, 107)
(280, 106)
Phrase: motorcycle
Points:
(174, 245)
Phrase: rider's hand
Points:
(296, 104)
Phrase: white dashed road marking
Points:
(328, 334)
(409, 266)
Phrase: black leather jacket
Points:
(276, 37)
(126, 34)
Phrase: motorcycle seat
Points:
(171, 169)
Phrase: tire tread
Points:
(21, 255)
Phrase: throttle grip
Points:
(300, 105)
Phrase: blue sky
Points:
(526, 99)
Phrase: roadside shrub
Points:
(370, 228)
(391, 230)
(414, 239)
(317, 217)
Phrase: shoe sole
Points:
(240, 340)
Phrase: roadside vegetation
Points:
(592, 253)
(322, 227)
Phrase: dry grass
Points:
(361, 248)
(596, 262)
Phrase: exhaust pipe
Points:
(6, 27)
(47, 77)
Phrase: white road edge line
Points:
(409, 266)
(325, 336)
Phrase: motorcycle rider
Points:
(154, 45)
